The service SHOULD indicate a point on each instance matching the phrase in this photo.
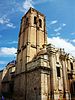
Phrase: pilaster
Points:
(65, 76)
(51, 52)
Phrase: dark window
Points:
(57, 62)
(26, 20)
(58, 71)
(71, 66)
(40, 22)
(74, 87)
(35, 20)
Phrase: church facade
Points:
(43, 72)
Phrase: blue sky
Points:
(60, 22)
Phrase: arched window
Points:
(26, 20)
(40, 22)
(35, 20)
(58, 71)
(71, 65)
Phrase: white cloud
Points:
(63, 24)
(10, 25)
(53, 22)
(58, 33)
(55, 34)
(30, 3)
(58, 29)
(62, 43)
(5, 21)
(73, 41)
(4, 51)
(27, 4)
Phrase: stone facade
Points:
(7, 79)
(43, 72)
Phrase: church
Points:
(43, 72)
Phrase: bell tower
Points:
(32, 39)
(32, 36)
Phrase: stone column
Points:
(45, 33)
(37, 33)
(65, 80)
(52, 61)
(28, 41)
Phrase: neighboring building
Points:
(43, 72)
(7, 82)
